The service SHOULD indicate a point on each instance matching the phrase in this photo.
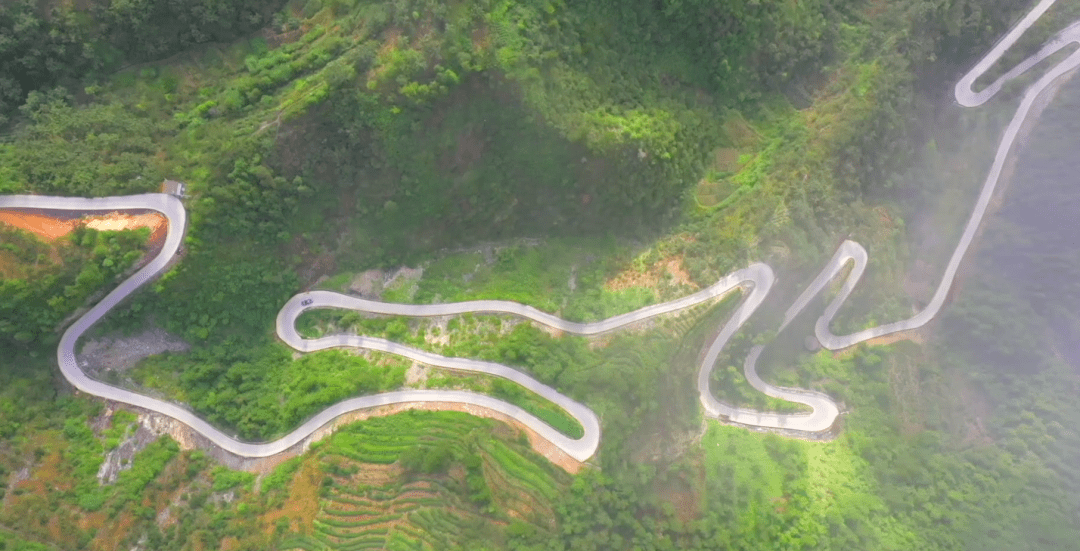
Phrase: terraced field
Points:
(428, 481)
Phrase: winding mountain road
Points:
(756, 279)
(855, 253)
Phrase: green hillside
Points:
(587, 158)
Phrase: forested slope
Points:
(393, 129)
(605, 143)
(44, 282)
(47, 43)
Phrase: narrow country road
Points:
(854, 252)
(756, 280)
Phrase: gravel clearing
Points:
(121, 353)
(368, 284)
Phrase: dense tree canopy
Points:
(354, 134)
(40, 48)
(43, 283)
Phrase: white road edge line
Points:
(758, 278)
(854, 252)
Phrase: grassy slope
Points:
(854, 481)
(902, 476)
(414, 150)
(483, 470)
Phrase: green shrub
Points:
(227, 479)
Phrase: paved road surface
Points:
(757, 279)
(855, 253)
(580, 449)
(174, 211)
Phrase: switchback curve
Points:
(850, 251)
(758, 278)
(173, 210)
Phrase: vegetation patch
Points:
(260, 390)
(46, 282)
(353, 135)
(427, 480)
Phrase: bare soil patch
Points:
(368, 284)
(48, 228)
(471, 143)
(417, 375)
(315, 264)
(117, 221)
(391, 39)
(671, 266)
(481, 37)
(917, 336)
(51, 227)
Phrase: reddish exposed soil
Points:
(50, 226)
(46, 227)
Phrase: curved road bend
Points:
(825, 410)
(173, 210)
(581, 449)
(758, 277)
(855, 253)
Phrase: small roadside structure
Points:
(173, 187)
